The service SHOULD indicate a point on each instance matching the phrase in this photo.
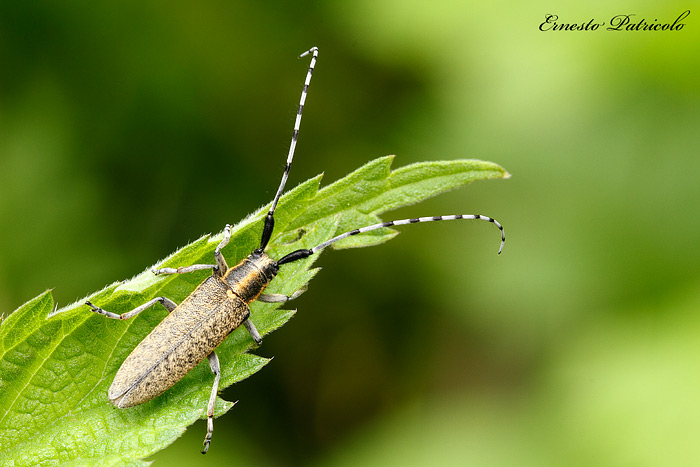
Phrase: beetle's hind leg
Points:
(216, 369)
(166, 302)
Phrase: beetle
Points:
(194, 329)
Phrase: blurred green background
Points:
(128, 129)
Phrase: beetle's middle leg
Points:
(166, 302)
(253, 331)
(216, 369)
(269, 298)
(219, 268)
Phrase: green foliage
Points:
(56, 365)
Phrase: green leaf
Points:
(56, 365)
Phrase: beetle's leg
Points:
(216, 369)
(183, 270)
(166, 302)
(250, 327)
(220, 261)
(269, 298)
(220, 267)
(278, 297)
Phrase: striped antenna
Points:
(300, 254)
(270, 219)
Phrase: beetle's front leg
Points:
(280, 298)
(220, 267)
(183, 270)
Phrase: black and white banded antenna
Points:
(270, 219)
(304, 253)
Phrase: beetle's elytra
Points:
(195, 328)
(192, 330)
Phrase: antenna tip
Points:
(312, 50)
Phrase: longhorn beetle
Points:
(195, 328)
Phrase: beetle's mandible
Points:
(194, 329)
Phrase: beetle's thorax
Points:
(250, 277)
